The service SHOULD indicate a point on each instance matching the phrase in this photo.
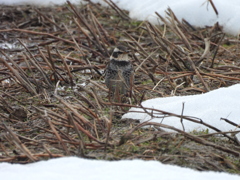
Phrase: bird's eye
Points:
(115, 54)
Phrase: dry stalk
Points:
(57, 135)
(192, 137)
(213, 6)
(174, 23)
(206, 51)
(67, 68)
(91, 29)
(81, 143)
(74, 111)
(74, 40)
(21, 78)
(36, 64)
(230, 122)
(117, 9)
(101, 38)
(52, 22)
(198, 74)
(141, 50)
(19, 144)
(216, 50)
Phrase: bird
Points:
(119, 74)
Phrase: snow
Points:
(77, 168)
(210, 107)
(37, 2)
(197, 12)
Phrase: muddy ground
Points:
(54, 101)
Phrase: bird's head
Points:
(120, 53)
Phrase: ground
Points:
(54, 101)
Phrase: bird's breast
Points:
(115, 64)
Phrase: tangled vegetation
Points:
(54, 102)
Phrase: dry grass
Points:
(54, 102)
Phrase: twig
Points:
(57, 135)
(182, 115)
(198, 74)
(195, 138)
(21, 146)
(81, 143)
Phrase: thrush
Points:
(119, 73)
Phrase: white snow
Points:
(210, 107)
(197, 12)
(76, 168)
(37, 2)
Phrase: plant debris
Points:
(54, 102)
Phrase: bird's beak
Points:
(126, 52)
